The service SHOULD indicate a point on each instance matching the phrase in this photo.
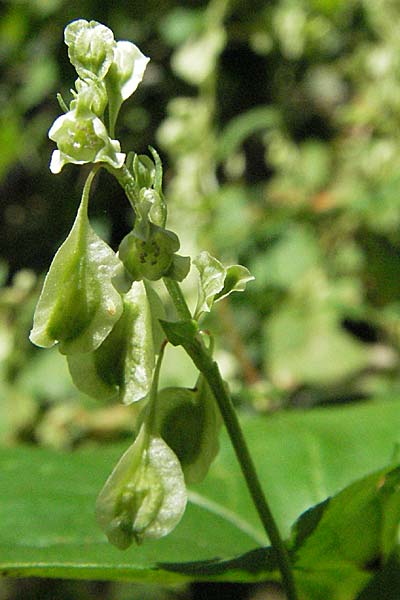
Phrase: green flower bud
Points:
(158, 210)
(91, 96)
(145, 495)
(151, 257)
(91, 47)
(143, 170)
(81, 138)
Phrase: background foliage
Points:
(278, 127)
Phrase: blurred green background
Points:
(278, 124)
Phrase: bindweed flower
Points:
(153, 256)
(91, 48)
(189, 422)
(123, 364)
(78, 306)
(109, 72)
(82, 138)
(145, 495)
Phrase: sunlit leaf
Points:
(47, 503)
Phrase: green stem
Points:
(209, 368)
(152, 405)
(127, 182)
(178, 298)
(86, 190)
(82, 216)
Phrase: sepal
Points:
(124, 75)
(179, 332)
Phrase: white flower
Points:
(82, 138)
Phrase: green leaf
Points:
(318, 350)
(289, 259)
(124, 362)
(212, 276)
(196, 59)
(145, 495)
(336, 557)
(78, 306)
(47, 502)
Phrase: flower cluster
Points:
(101, 309)
(108, 73)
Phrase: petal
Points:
(130, 64)
(119, 159)
(56, 162)
(58, 125)
(100, 129)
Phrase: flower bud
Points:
(91, 96)
(91, 47)
(149, 258)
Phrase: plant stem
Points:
(127, 182)
(209, 368)
(178, 298)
